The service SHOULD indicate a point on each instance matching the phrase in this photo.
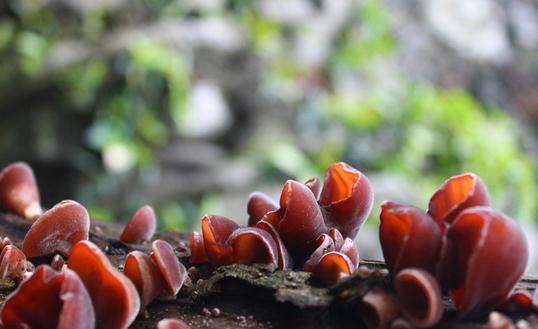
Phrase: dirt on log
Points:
(239, 296)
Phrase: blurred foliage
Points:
(348, 109)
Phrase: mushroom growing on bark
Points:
(141, 227)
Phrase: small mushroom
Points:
(519, 300)
(346, 198)
(215, 232)
(332, 267)
(284, 258)
(19, 192)
(409, 238)
(314, 185)
(252, 245)
(171, 269)
(488, 253)
(455, 195)
(378, 309)
(145, 275)
(172, 324)
(49, 300)
(141, 227)
(325, 245)
(420, 297)
(197, 246)
(498, 320)
(57, 262)
(13, 263)
(113, 295)
(57, 230)
(258, 205)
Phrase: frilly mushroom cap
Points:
(409, 238)
(455, 195)
(253, 245)
(325, 245)
(19, 192)
(489, 253)
(172, 324)
(145, 275)
(173, 272)
(57, 230)
(378, 309)
(258, 205)
(215, 232)
(197, 247)
(420, 297)
(141, 227)
(284, 258)
(49, 299)
(519, 300)
(497, 320)
(337, 238)
(113, 295)
(332, 267)
(301, 221)
(349, 249)
(314, 185)
(346, 198)
(13, 263)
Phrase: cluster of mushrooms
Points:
(86, 291)
(460, 248)
(312, 227)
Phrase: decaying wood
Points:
(249, 296)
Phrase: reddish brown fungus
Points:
(113, 295)
(13, 263)
(172, 324)
(141, 227)
(332, 267)
(258, 205)
(314, 185)
(215, 232)
(57, 263)
(420, 297)
(252, 245)
(409, 238)
(346, 198)
(57, 230)
(173, 272)
(284, 258)
(145, 275)
(197, 247)
(455, 195)
(49, 300)
(489, 254)
(19, 192)
(378, 309)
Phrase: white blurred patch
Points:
(476, 29)
(117, 158)
(296, 10)
(207, 113)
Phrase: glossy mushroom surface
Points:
(420, 297)
(172, 324)
(113, 295)
(145, 275)
(378, 309)
(215, 233)
(258, 205)
(346, 198)
(197, 247)
(141, 227)
(57, 230)
(13, 263)
(253, 245)
(19, 192)
(49, 300)
(409, 238)
(488, 254)
(172, 270)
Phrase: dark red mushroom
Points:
(488, 253)
(145, 275)
(49, 300)
(252, 245)
(258, 205)
(172, 324)
(378, 309)
(455, 195)
(13, 263)
(332, 267)
(284, 258)
(113, 295)
(519, 300)
(141, 227)
(346, 198)
(197, 247)
(409, 238)
(173, 272)
(325, 245)
(57, 230)
(215, 232)
(420, 297)
(314, 185)
(19, 192)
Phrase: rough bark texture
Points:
(248, 296)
